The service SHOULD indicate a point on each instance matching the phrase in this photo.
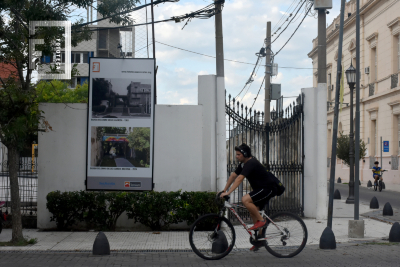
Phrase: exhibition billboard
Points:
(120, 124)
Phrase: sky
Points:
(244, 30)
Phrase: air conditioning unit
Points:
(366, 71)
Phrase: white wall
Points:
(315, 150)
(62, 161)
(178, 148)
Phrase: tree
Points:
(58, 92)
(139, 139)
(19, 111)
(343, 148)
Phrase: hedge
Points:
(101, 210)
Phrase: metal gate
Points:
(278, 145)
(27, 180)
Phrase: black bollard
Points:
(101, 245)
(220, 244)
(369, 184)
(387, 210)
(394, 234)
(327, 240)
(337, 195)
(339, 181)
(374, 204)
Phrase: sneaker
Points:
(258, 224)
(254, 248)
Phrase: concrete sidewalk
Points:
(178, 241)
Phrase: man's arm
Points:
(237, 182)
(232, 178)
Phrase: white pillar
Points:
(221, 135)
(315, 151)
(207, 98)
(322, 147)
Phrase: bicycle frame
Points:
(232, 207)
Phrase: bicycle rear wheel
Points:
(212, 237)
(293, 239)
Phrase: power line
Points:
(204, 13)
(289, 22)
(255, 99)
(276, 29)
(283, 15)
(305, 15)
(231, 60)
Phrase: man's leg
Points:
(253, 209)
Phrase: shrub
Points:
(65, 207)
(196, 204)
(101, 210)
(157, 210)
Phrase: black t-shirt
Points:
(255, 173)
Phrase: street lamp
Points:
(351, 81)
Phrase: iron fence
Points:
(278, 145)
(27, 180)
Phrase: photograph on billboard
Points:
(121, 98)
(120, 124)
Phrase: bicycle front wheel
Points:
(212, 237)
(375, 186)
(286, 236)
(380, 186)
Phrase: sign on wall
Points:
(120, 124)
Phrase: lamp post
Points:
(351, 81)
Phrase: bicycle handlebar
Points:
(225, 197)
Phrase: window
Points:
(75, 57)
(62, 57)
(398, 134)
(85, 58)
(398, 52)
(329, 86)
(373, 139)
(374, 65)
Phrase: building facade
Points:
(104, 43)
(379, 86)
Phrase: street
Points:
(367, 194)
(349, 254)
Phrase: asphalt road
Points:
(367, 194)
(356, 254)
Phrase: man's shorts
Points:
(261, 196)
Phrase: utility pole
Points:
(220, 103)
(357, 142)
(154, 51)
(268, 72)
(321, 46)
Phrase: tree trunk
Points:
(13, 163)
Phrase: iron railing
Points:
(278, 145)
(27, 180)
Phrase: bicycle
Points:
(380, 182)
(212, 236)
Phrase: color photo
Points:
(126, 147)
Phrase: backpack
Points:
(278, 185)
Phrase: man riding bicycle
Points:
(261, 183)
(377, 172)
